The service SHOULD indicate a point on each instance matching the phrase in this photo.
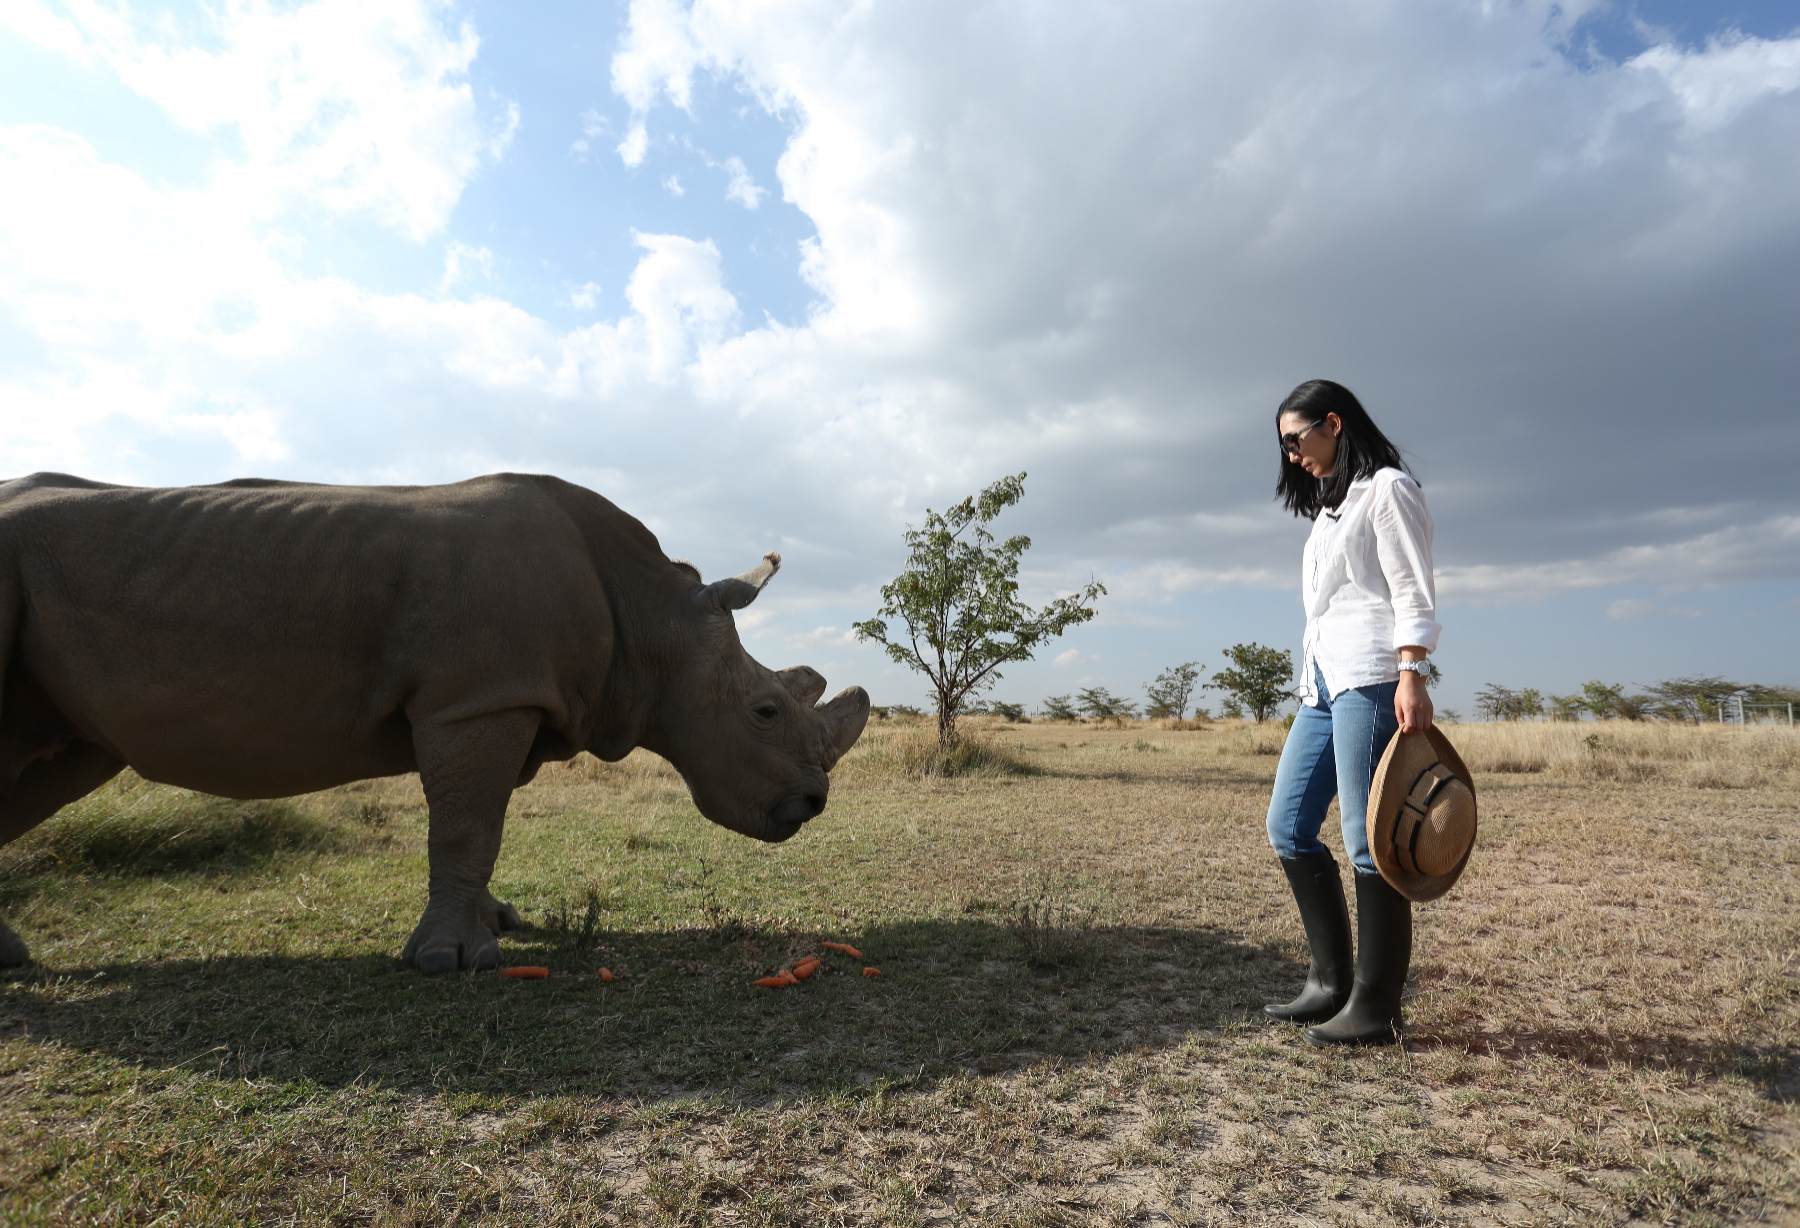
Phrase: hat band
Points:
(1425, 788)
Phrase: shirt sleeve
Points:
(1403, 544)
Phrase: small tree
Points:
(959, 599)
(1102, 704)
(1008, 712)
(1060, 708)
(1693, 699)
(1601, 698)
(1497, 703)
(1170, 693)
(1566, 707)
(1260, 679)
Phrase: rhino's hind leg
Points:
(44, 786)
(468, 769)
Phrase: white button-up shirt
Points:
(1367, 586)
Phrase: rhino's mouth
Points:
(792, 812)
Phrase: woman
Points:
(1370, 621)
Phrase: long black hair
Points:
(1361, 448)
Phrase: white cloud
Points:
(1514, 260)
(585, 297)
(1072, 656)
(356, 106)
(822, 637)
(1733, 74)
(742, 187)
(672, 185)
(634, 146)
(463, 265)
(1726, 556)
(679, 298)
(1637, 607)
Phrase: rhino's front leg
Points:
(468, 769)
(498, 915)
(13, 951)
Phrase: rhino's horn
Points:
(804, 683)
(740, 591)
(845, 717)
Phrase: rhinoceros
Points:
(259, 639)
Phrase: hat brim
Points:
(1385, 796)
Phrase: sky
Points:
(783, 275)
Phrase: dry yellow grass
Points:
(1603, 1017)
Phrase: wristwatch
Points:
(1417, 667)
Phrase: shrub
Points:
(919, 756)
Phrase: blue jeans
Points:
(1331, 752)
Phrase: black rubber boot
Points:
(1319, 891)
(1383, 953)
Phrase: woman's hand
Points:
(1412, 703)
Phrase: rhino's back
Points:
(260, 637)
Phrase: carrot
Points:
(805, 969)
(774, 982)
(606, 975)
(525, 972)
(787, 977)
(871, 972)
(851, 951)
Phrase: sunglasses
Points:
(1290, 442)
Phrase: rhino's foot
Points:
(443, 945)
(498, 915)
(13, 951)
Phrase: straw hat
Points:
(1421, 815)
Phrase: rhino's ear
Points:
(684, 565)
(740, 591)
(845, 717)
(804, 683)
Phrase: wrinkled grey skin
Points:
(261, 639)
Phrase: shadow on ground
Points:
(955, 996)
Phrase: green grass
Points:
(218, 1029)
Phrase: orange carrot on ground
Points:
(606, 975)
(787, 977)
(871, 972)
(525, 972)
(851, 951)
(774, 982)
(804, 969)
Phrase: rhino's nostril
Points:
(815, 802)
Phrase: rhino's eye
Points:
(767, 711)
